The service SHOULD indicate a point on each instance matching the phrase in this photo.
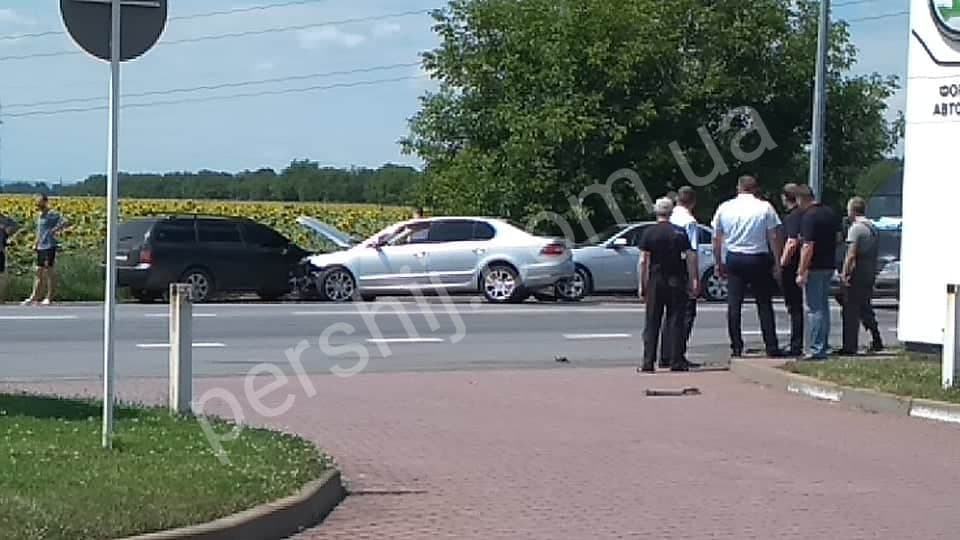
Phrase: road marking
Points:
(37, 317)
(167, 345)
(405, 340)
(597, 336)
(167, 315)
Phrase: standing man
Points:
(682, 217)
(820, 232)
(790, 261)
(49, 225)
(8, 228)
(747, 228)
(666, 284)
(859, 274)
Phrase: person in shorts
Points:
(49, 225)
(8, 228)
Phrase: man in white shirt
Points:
(747, 228)
(682, 217)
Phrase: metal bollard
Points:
(181, 348)
(951, 338)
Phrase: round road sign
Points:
(88, 23)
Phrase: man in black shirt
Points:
(7, 228)
(668, 278)
(789, 262)
(820, 230)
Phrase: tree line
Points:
(301, 181)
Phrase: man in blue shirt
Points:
(49, 225)
(747, 230)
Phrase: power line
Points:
(261, 7)
(212, 37)
(373, 82)
(878, 17)
(220, 86)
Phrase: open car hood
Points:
(331, 233)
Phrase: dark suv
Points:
(211, 253)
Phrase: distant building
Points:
(887, 200)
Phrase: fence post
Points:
(181, 348)
(951, 338)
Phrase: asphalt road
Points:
(65, 341)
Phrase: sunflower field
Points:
(85, 240)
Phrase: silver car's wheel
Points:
(575, 288)
(201, 285)
(714, 287)
(338, 285)
(501, 284)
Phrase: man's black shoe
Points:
(736, 354)
(776, 354)
(647, 369)
(843, 352)
(681, 367)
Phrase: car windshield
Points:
(604, 235)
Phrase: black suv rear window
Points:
(179, 231)
(219, 231)
(133, 232)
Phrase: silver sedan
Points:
(448, 254)
(608, 264)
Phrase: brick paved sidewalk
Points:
(582, 454)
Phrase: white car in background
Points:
(449, 254)
(608, 264)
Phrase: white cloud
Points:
(10, 16)
(311, 39)
(386, 29)
(264, 65)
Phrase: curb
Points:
(771, 375)
(273, 520)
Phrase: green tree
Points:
(539, 99)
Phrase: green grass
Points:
(78, 278)
(57, 483)
(917, 377)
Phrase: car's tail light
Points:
(146, 256)
(553, 249)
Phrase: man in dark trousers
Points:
(747, 230)
(682, 216)
(792, 293)
(820, 230)
(667, 280)
(859, 273)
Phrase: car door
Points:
(398, 265)
(175, 249)
(704, 250)
(225, 254)
(271, 256)
(454, 248)
(619, 263)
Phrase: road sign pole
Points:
(109, 304)
(820, 102)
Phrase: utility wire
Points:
(355, 84)
(220, 86)
(248, 9)
(878, 17)
(212, 37)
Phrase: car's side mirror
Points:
(619, 243)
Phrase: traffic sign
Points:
(115, 31)
(88, 23)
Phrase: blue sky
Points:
(344, 126)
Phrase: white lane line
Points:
(37, 317)
(167, 345)
(597, 336)
(167, 315)
(405, 340)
